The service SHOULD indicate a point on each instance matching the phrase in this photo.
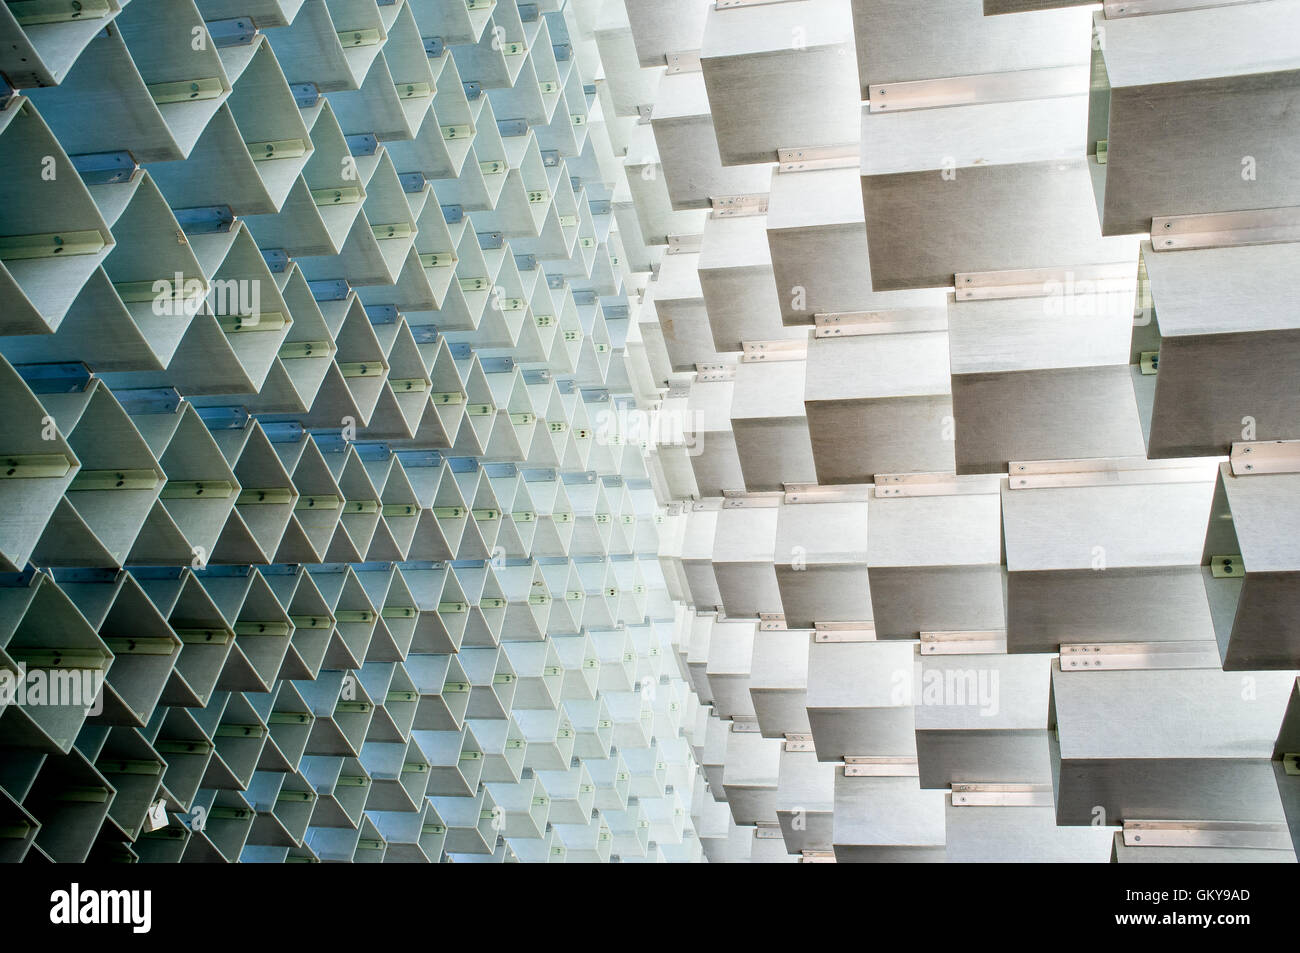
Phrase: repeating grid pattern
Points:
(984, 437)
(649, 430)
(325, 539)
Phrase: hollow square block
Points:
(688, 147)
(884, 820)
(817, 235)
(771, 425)
(712, 447)
(779, 682)
(879, 403)
(730, 659)
(821, 563)
(763, 68)
(1225, 327)
(977, 188)
(805, 801)
(982, 718)
(750, 776)
(1288, 742)
(742, 561)
(1105, 563)
(1191, 744)
(735, 275)
(679, 303)
(1044, 377)
(1255, 519)
(900, 41)
(859, 699)
(1221, 81)
(660, 27)
(935, 564)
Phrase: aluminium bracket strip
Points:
(679, 389)
(1122, 9)
(747, 725)
(880, 767)
(1225, 229)
(901, 321)
(1258, 835)
(985, 642)
(683, 61)
(743, 500)
(1113, 472)
(1139, 656)
(985, 794)
(738, 206)
(816, 158)
(1227, 566)
(770, 352)
(835, 493)
(714, 373)
(799, 741)
(844, 632)
(898, 485)
(817, 857)
(771, 622)
(1044, 282)
(1257, 458)
(736, 4)
(685, 244)
(1007, 86)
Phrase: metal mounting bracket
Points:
(981, 794)
(742, 500)
(1007, 86)
(817, 857)
(1120, 9)
(683, 61)
(714, 373)
(987, 642)
(1225, 229)
(867, 767)
(1139, 656)
(685, 244)
(1042, 282)
(814, 158)
(1265, 456)
(836, 493)
(769, 352)
(844, 632)
(857, 323)
(896, 485)
(738, 206)
(1248, 834)
(1116, 472)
